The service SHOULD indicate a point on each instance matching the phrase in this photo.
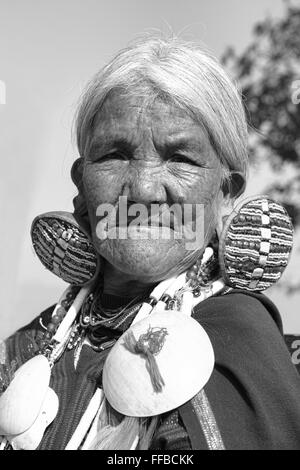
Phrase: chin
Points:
(146, 260)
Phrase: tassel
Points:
(149, 344)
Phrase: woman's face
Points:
(153, 154)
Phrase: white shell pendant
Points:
(22, 400)
(185, 362)
(30, 439)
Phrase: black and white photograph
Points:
(150, 227)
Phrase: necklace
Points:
(76, 321)
(102, 326)
(95, 315)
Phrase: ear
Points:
(79, 203)
(77, 172)
(235, 186)
(230, 191)
(225, 205)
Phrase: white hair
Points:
(182, 73)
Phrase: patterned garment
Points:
(171, 434)
(252, 400)
(14, 351)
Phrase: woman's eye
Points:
(181, 159)
(112, 156)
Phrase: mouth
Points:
(160, 227)
(163, 219)
(159, 221)
(143, 232)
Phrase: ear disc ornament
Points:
(64, 248)
(255, 244)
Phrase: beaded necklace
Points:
(102, 326)
(166, 295)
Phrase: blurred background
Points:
(49, 50)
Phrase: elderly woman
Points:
(160, 126)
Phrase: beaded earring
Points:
(64, 248)
(253, 250)
(255, 244)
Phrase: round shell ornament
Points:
(158, 364)
(255, 244)
(21, 402)
(64, 248)
(31, 438)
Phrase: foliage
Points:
(268, 74)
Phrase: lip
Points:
(154, 232)
(137, 228)
(146, 232)
(162, 217)
(150, 223)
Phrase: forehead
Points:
(141, 112)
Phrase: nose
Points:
(146, 186)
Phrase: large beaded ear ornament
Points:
(64, 248)
(255, 244)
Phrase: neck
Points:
(120, 284)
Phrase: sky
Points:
(48, 52)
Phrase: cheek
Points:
(204, 187)
(100, 187)
(205, 191)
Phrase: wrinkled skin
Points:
(152, 153)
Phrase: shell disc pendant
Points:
(183, 361)
(21, 402)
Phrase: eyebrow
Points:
(103, 144)
(182, 143)
(109, 143)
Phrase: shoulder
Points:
(241, 309)
(253, 374)
(244, 327)
(38, 323)
(21, 346)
